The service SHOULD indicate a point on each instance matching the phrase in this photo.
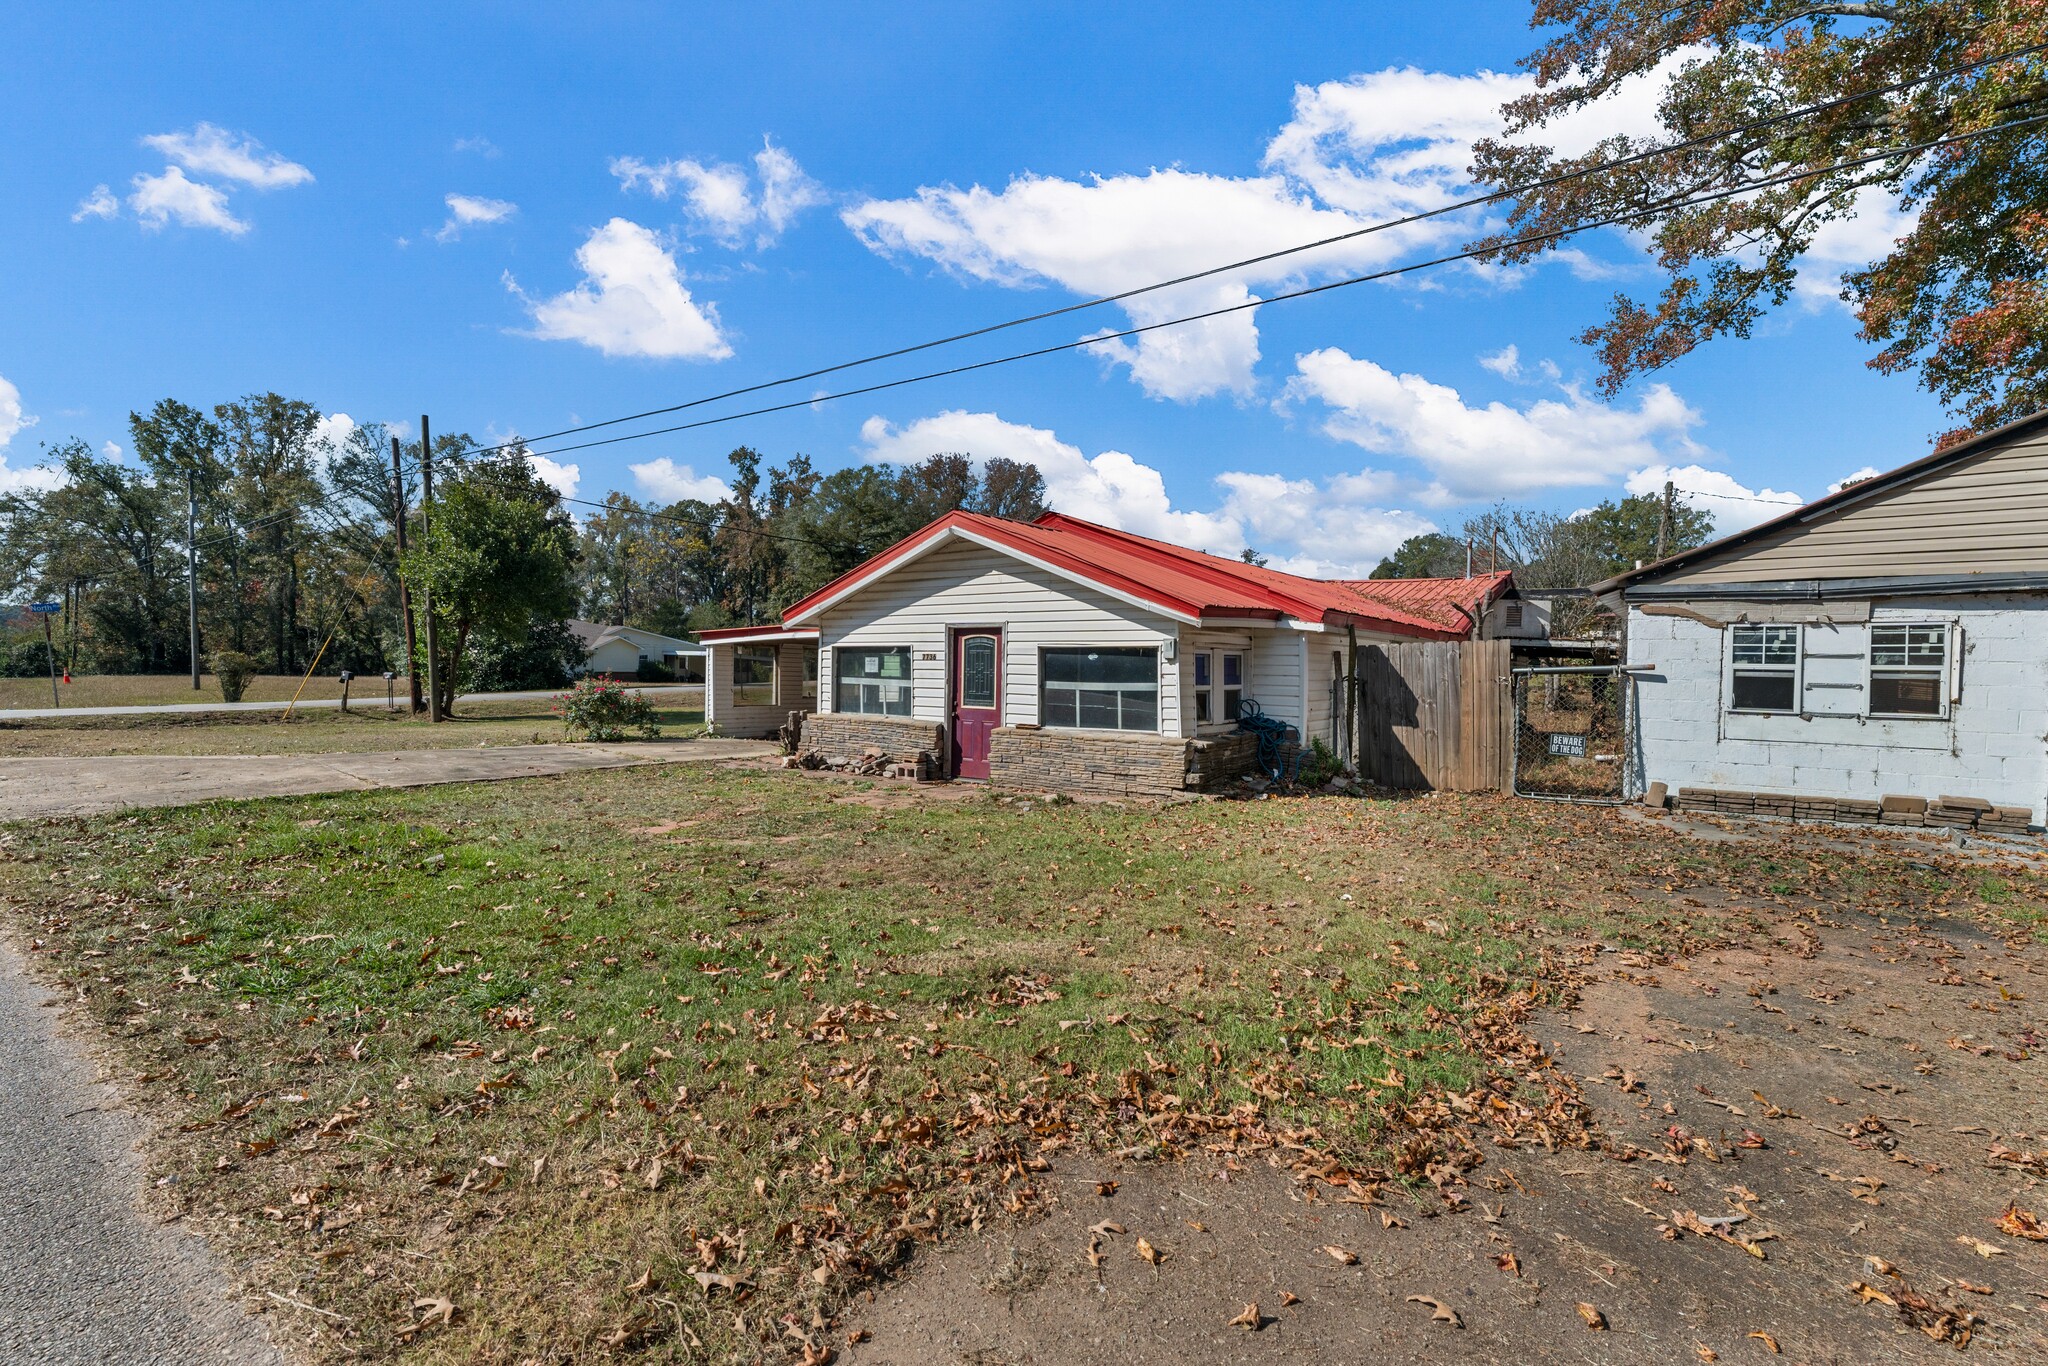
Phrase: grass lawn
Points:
(322, 731)
(667, 1061)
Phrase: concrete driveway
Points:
(32, 789)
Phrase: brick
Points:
(1965, 803)
(900, 739)
(1657, 797)
(1891, 802)
(1902, 818)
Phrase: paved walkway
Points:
(31, 789)
(362, 701)
(86, 1278)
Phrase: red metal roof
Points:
(1181, 582)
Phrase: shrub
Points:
(1319, 764)
(234, 670)
(25, 659)
(599, 709)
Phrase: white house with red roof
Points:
(1063, 655)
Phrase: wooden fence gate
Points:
(1436, 714)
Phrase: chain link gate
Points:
(1572, 738)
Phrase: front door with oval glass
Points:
(977, 699)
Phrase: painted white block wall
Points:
(1993, 745)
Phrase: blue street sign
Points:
(46, 608)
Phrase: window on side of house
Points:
(1233, 685)
(1100, 689)
(872, 681)
(1204, 679)
(753, 676)
(1909, 670)
(811, 679)
(1763, 668)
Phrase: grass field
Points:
(157, 690)
(668, 1061)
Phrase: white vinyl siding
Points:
(749, 721)
(1029, 608)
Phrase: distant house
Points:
(1066, 656)
(620, 651)
(1888, 640)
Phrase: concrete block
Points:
(1965, 803)
(1657, 796)
(1893, 804)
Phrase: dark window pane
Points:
(1231, 699)
(1141, 711)
(1233, 670)
(1059, 707)
(978, 673)
(1905, 695)
(1098, 710)
(849, 697)
(1763, 692)
(1202, 670)
(1202, 706)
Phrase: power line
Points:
(1757, 125)
(1494, 249)
(1797, 501)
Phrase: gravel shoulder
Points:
(85, 1275)
(33, 789)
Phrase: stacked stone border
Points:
(1943, 813)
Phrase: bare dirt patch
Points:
(1902, 1111)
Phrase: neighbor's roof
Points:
(1173, 580)
(594, 635)
(741, 635)
(1849, 493)
(1456, 603)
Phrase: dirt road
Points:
(36, 788)
(1859, 1101)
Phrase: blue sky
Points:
(518, 217)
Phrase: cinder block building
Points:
(1887, 641)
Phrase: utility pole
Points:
(192, 570)
(427, 593)
(412, 663)
(1664, 520)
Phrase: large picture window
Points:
(1909, 670)
(753, 676)
(1763, 668)
(872, 682)
(1100, 689)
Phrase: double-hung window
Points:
(1100, 689)
(1233, 685)
(872, 682)
(753, 676)
(811, 678)
(1909, 670)
(1204, 689)
(1763, 672)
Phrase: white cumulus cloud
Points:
(721, 201)
(13, 421)
(1854, 477)
(208, 149)
(101, 203)
(664, 479)
(1494, 450)
(630, 302)
(1336, 528)
(173, 198)
(1734, 505)
(563, 479)
(468, 211)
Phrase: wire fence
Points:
(1571, 734)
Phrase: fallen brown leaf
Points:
(1149, 1253)
(1439, 1311)
(1106, 1228)
(1770, 1343)
(1342, 1254)
(1980, 1247)
(1105, 1188)
(1870, 1292)
(1508, 1262)
(2021, 1223)
(1288, 1298)
(1704, 1352)
(719, 1280)
(1595, 1320)
(1250, 1319)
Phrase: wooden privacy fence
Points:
(1436, 714)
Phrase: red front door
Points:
(977, 699)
